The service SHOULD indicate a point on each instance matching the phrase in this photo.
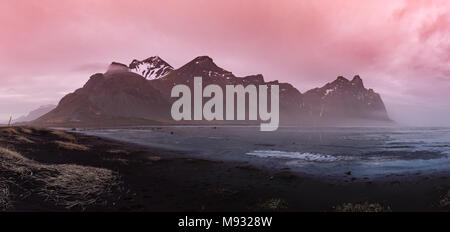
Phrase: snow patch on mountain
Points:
(151, 68)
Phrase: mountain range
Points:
(139, 94)
(35, 114)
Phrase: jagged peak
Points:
(151, 59)
(340, 81)
(204, 61)
(356, 78)
(153, 67)
(341, 78)
(204, 64)
(357, 81)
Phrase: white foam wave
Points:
(314, 157)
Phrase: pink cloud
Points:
(400, 48)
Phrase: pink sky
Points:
(400, 48)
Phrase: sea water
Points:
(324, 151)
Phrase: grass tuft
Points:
(65, 185)
(63, 135)
(23, 139)
(26, 130)
(71, 146)
(9, 130)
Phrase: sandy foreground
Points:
(52, 170)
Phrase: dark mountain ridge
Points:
(122, 97)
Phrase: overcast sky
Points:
(401, 49)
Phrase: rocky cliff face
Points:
(344, 100)
(120, 96)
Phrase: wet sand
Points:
(141, 178)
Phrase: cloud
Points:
(91, 67)
(398, 47)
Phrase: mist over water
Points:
(365, 151)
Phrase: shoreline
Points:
(343, 179)
(287, 151)
(152, 179)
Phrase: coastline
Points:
(142, 178)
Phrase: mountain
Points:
(204, 66)
(122, 97)
(344, 100)
(151, 68)
(115, 97)
(34, 114)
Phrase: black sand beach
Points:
(53, 170)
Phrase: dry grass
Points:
(10, 154)
(62, 185)
(63, 135)
(15, 134)
(23, 139)
(72, 146)
(26, 130)
(9, 130)
(362, 207)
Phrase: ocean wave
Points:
(313, 157)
